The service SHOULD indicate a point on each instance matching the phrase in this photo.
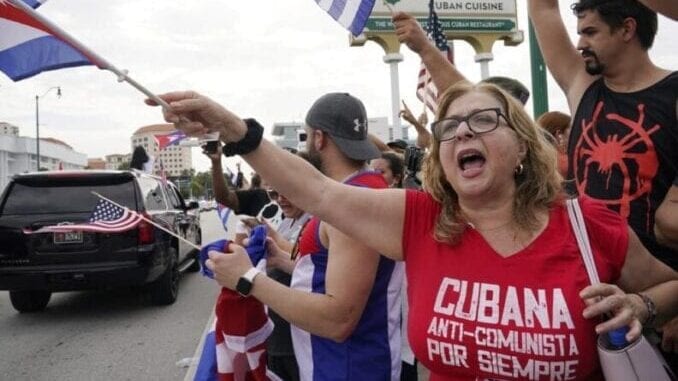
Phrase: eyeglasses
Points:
(480, 122)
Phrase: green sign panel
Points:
(450, 25)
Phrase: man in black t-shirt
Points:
(242, 201)
(623, 148)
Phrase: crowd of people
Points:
(496, 287)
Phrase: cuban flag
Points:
(223, 212)
(351, 14)
(235, 347)
(167, 140)
(29, 44)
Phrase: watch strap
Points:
(251, 274)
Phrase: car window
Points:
(173, 198)
(71, 196)
(152, 194)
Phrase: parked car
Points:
(33, 266)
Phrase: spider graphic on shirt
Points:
(626, 155)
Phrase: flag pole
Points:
(147, 220)
(95, 58)
(390, 7)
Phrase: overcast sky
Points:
(268, 58)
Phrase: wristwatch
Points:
(244, 286)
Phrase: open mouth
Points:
(470, 159)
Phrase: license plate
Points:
(68, 237)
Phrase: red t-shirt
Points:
(475, 315)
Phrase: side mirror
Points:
(192, 205)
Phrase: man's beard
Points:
(593, 67)
(314, 158)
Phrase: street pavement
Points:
(109, 335)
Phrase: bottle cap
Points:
(618, 337)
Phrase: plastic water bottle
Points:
(618, 338)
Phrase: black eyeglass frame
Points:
(466, 119)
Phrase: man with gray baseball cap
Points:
(361, 316)
(343, 117)
(344, 300)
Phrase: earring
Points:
(519, 170)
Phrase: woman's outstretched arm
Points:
(374, 217)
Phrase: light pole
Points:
(37, 122)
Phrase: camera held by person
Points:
(413, 159)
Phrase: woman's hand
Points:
(230, 266)
(278, 258)
(197, 115)
(625, 310)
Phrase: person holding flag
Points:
(443, 72)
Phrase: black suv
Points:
(32, 266)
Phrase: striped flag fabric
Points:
(223, 212)
(426, 89)
(167, 140)
(29, 45)
(235, 347)
(351, 14)
(106, 218)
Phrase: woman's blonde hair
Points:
(538, 186)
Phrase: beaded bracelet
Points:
(651, 309)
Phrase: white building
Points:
(8, 129)
(175, 158)
(18, 154)
(115, 160)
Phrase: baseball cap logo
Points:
(357, 125)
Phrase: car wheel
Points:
(165, 290)
(29, 300)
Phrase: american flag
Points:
(426, 89)
(106, 218)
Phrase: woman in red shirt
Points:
(497, 287)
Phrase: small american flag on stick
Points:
(106, 218)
